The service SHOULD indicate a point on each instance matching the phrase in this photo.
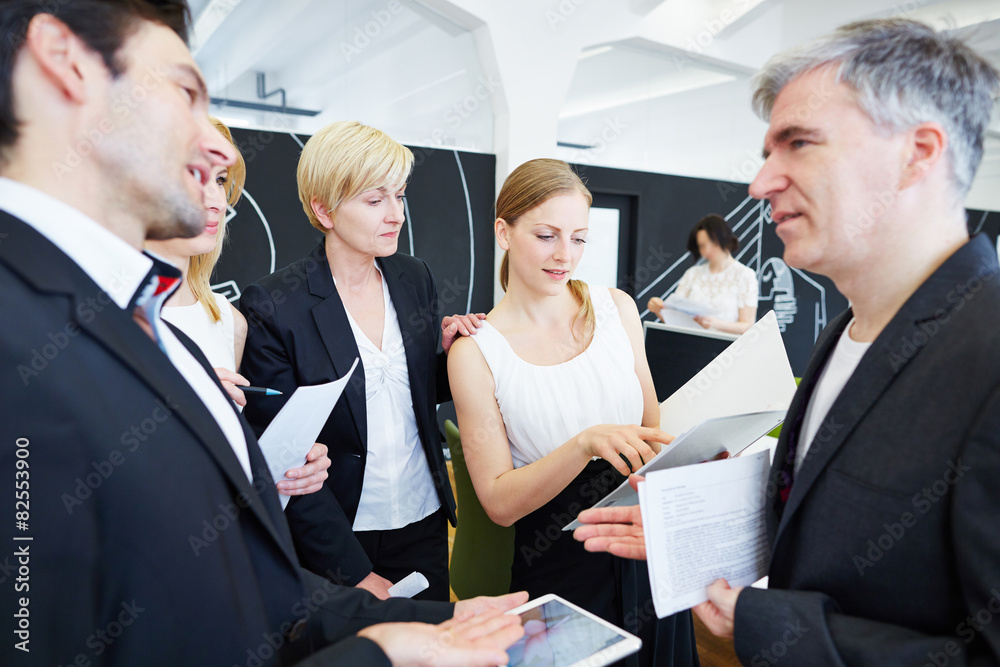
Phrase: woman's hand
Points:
(707, 321)
(232, 382)
(613, 443)
(460, 325)
(655, 305)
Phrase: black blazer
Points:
(889, 541)
(299, 335)
(149, 545)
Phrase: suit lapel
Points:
(403, 293)
(335, 330)
(791, 429)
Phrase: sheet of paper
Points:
(732, 433)
(409, 586)
(702, 523)
(295, 428)
(676, 318)
(751, 375)
(688, 306)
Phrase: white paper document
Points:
(751, 375)
(295, 428)
(702, 523)
(409, 586)
(699, 444)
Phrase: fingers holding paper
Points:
(719, 611)
(624, 447)
(308, 478)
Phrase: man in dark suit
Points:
(147, 530)
(883, 499)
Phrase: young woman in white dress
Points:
(556, 404)
(208, 319)
(720, 281)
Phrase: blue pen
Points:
(259, 390)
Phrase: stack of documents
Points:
(702, 523)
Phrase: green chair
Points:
(483, 552)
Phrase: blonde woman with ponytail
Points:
(556, 404)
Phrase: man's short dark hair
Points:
(103, 25)
(718, 232)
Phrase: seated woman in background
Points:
(556, 404)
(385, 508)
(720, 281)
(208, 318)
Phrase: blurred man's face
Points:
(830, 176)
(162, 149)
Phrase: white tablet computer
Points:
(557, 633)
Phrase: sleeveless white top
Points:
(216, 339)
(544, 406)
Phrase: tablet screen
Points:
(556, 635)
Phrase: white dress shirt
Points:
(397, 489)
(120, 270)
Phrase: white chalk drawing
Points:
(775, 279)
(472, 245)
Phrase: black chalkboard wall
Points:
(450, 216)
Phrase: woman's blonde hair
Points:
(343, 160)
(528, 186)
(201, 266)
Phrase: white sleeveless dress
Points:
(544, 406)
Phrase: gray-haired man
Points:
(884, 500)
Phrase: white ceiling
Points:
(670, 97)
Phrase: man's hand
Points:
(459, 325)
(617, 530)
(376, 585)
(478, 641)
(232, 382)
(466, 608)
(308, 478)
(719, 612)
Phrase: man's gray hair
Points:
(904, 73)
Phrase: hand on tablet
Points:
(477, 641)
(466, 608)
(617, 530)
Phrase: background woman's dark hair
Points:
(103, 25)
(718, 231)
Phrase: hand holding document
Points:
(295, 428)
(702, 523)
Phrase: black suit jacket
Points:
(148, 543)
(299, 335)
(888, 547)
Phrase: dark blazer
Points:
(889, 541)
(149, 546)
(299, 335)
